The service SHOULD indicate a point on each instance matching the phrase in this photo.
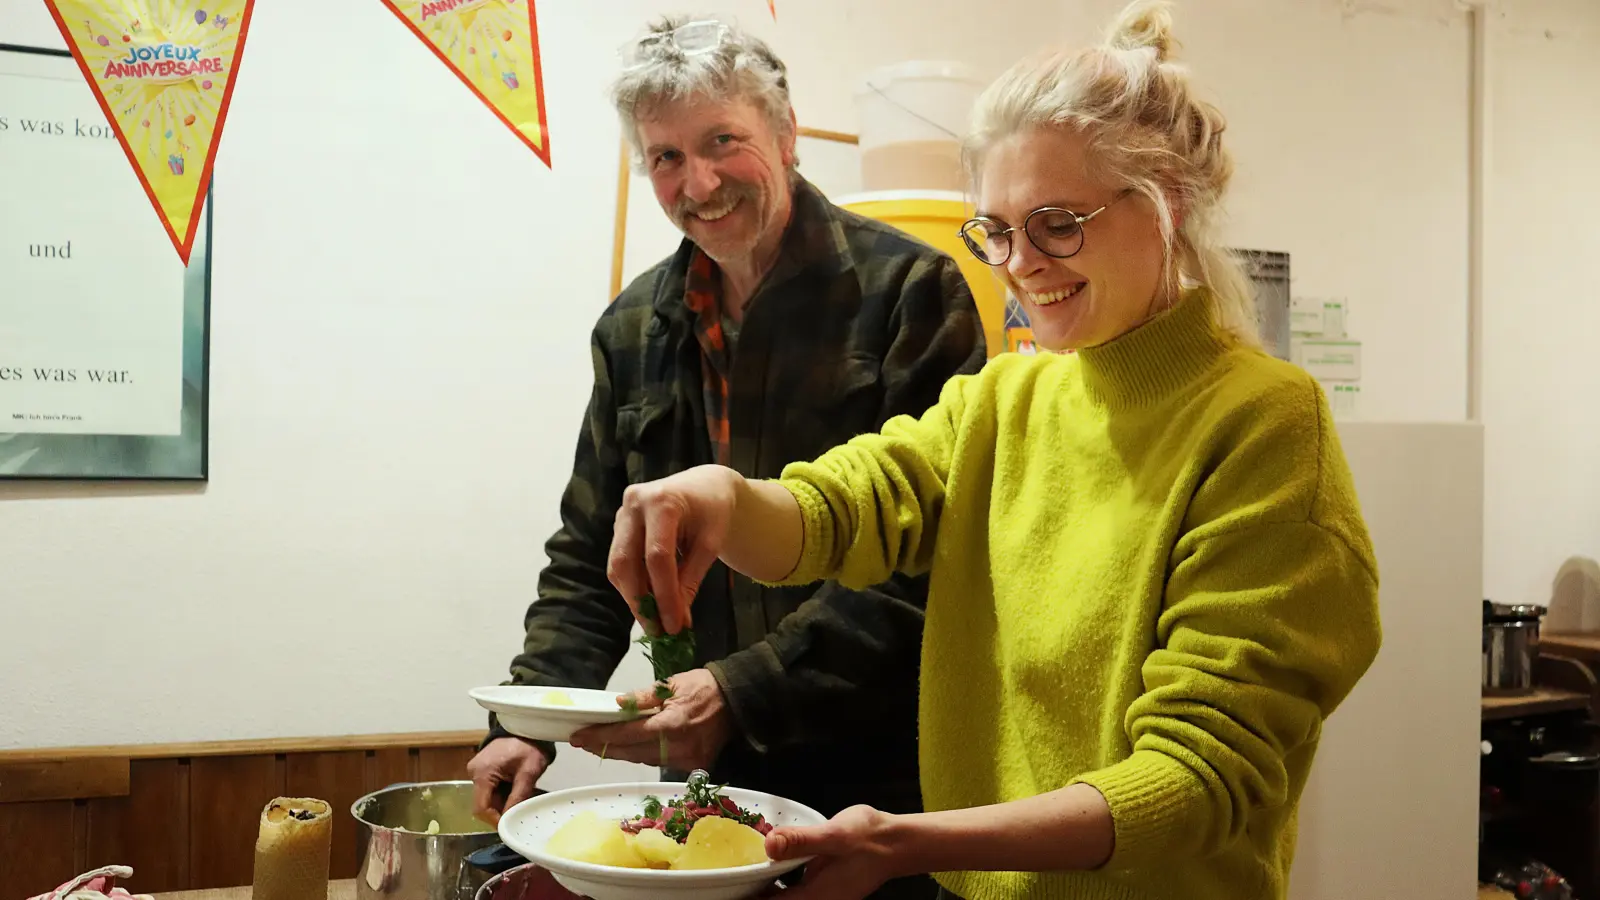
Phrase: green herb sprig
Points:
(707, 798)
(669, 654)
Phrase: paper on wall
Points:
(1317, 317)
(1344, 398)
(1327, 360)
(1319, 342)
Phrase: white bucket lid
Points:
(918, 70)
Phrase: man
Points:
(782, 326)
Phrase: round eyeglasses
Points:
(690, 39)
(1056, 232)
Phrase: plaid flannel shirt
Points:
(856, 323)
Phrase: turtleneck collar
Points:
(1159, 357)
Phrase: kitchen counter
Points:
(338, 890)
(1538, 701)
(1584, 645)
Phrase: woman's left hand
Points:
(853, 855)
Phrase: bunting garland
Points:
(493, 47)
(163, 72)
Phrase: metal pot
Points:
(1510, 646)
(400, 860)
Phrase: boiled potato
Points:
(659, 850)
(718, 843)
(587, 837)
(557, 698)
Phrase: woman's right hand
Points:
(668, 533)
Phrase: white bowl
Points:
(523, 711)
(527, 826)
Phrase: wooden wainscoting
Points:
(185, 816)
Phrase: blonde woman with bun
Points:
(1150, 581)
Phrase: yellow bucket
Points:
(935, 217)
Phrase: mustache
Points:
(726, 196)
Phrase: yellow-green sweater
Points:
(1149, 573)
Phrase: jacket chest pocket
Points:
(833, 405)
(647, 437)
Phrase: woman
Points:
(1150, 579)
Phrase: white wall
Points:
(392, 413)
(1393, 794)
(1542, 311)
(392, 416)
(1348, 122)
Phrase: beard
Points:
(734, 197)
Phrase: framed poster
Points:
(104, 331)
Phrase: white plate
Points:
(523, 711)
(527, 826)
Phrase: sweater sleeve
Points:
(1270, 619)
(871, 506)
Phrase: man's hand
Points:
(504, 773)
(695, 725)
(854, 855)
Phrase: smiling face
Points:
(720, 172)
(1111, 285)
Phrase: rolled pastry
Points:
(292, 850)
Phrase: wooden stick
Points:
(619, 234)
(824, 134)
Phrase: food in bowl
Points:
(703, 829)
(433, 828)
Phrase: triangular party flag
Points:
(163, 72)
(493, 47)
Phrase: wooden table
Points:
(338, 890)
(542, 885)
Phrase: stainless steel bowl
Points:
(400, 860)
(525, 882)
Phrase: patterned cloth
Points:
(97, 885)
(703, 295)
(856, 323)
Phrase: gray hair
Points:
(1148, 130)
(741, 66)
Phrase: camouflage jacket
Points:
(856, 323)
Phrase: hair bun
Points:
(1144, 23)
